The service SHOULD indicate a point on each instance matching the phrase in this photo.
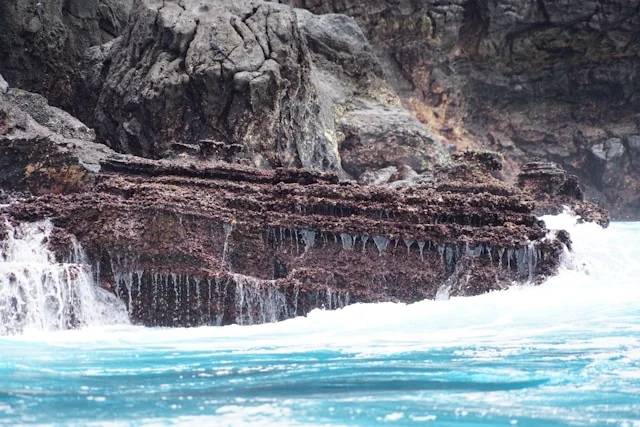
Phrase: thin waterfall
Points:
(36, 292)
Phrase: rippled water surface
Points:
(564, 353)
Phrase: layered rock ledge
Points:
(190, 241)
(226, 244)
(252, 162)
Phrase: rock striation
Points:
(187, 242)
(189, 245)
(246, 162)
(554, 191)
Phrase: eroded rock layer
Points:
(201, 237)
(198, 245)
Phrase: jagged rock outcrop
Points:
(528, 78)
(190, 243)
(253, 83)
(554, 190)
(42, 42)
(236, 72)
(224, 244)
(544, 79)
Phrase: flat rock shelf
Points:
(191, 245)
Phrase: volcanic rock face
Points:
(238, 130)
(44, 149)
(41, 42)
(254, 83)
(548, 79)
(234, 75)
(201, 245)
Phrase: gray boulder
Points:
(377, 177)
(606, 160)
(44, 149)
(230, 71)
(52, 118)
(339, 44)
(377, 136)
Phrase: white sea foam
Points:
(596, 281)
(36, 292)
(567, 351)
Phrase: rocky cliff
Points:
(42, 42)
(187, 243)
(243, 161)
(534, 79)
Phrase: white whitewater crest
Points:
(566, 352)
(38, 293)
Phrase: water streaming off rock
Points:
(563, 353)
(36, 292)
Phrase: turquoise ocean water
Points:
(563, 353)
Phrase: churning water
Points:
(563, 353)
(37, 293)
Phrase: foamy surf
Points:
(566, 352)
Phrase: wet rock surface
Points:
(251, 162)
(188, 242)
(196, 245)
(555, 190)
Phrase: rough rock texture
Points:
(250, 82)
(359, 110)
(41, 42)
(190, 243)
(377, 136)
(531, 78)
(224, 244)
(554, 190)
(230, 72)
(42, 148)
(4, 86)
